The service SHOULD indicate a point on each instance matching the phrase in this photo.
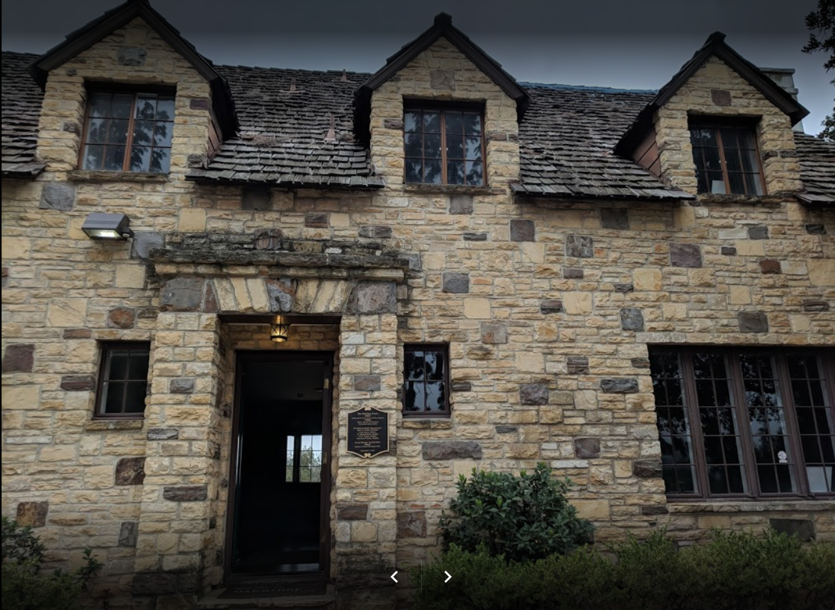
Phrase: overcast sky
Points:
(613, 43)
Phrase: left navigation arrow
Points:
(393, 576)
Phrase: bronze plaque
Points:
(368, 432)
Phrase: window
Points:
(128, 132)
(444, 145)
(426, 381)
(745, 423)
(123, 380)
(304, 459)
(727, 160)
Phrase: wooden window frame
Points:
(778, 356)
(425, 347)
(413, 105)
(106, 347)
(135, 91)
(717, 124)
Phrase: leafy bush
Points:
(521, 518)
(734, 571)
(24, 587)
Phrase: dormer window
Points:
(727, 158)
(128, 131)
(444, 145)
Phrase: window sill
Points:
(426, 423)
(708, 198)
(752, 506)
(83, 175)
(98, 425)
(448, 189)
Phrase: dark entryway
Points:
(280, 468)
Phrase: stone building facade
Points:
(551, 288)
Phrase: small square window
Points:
(444, 145)
(128, 131)
(123, 380)
(426, 381)
(727, 159)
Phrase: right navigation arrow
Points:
(448, 576)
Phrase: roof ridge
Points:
(587, 87)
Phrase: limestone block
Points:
(477, 308)
(192, 220)
(130, 276)
(577, 302)
(822, 271)
(64, 312)
(647, 279)
(15, 247)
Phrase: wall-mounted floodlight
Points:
(107, 226)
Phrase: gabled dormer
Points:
(442, 113)
(719, 128)
(127, 96)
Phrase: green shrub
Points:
(522, 518)
(733, 571)
(24, 587)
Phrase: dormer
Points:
(126, 97)
(442, 114)
(719, 129)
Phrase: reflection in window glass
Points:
(443, 147)
(291, 452)
(111, 144)
(123, 382)
(425, 374)
(308, 467)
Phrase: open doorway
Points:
(280, 484)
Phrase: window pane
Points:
(767, 424)
(143, 132)
(431, 122)
(114, 157)
(702, 136)
(455, 172)
(160, 160)
(113, 397)
(165, 109)
(475, 172)
(93, 157)
(413, 365)
(672, 423)
(163, 133)
(414, 170)
(432, 145)
(120, 108)
(717, 183)
(135, 398)
(117, 132)
(413, 144)
(310, 458)
(118, 365)
(412, 121)
(97, 130)
(140, 158)
(434, 365)
(473, 148)
(99, 105)
(754, 184)
(138, 365)
(472, 123)
(817, 435)
(455, 148)
(415, 396)
(146, 107)
(288, 465)
(432, 171)
(454, 123)
(435, 397)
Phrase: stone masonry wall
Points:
(548, 308)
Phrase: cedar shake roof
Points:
(817, 170)
(566, 137)
(296, 129)
(21, 109)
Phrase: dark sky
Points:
(633, 44)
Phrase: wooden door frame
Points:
(241, 357)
